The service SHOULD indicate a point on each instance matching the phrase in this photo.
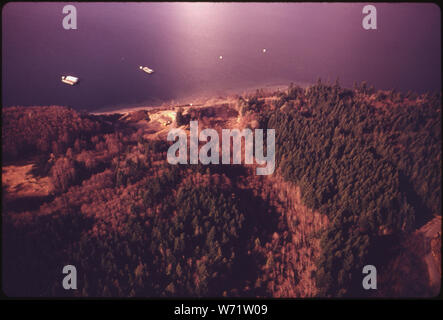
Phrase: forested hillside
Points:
(370, 161)
(358, 170)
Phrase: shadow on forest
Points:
(261, 221)
(422, 213)
(25, 203)
(34, 254)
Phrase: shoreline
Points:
(197, 99)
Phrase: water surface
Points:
(182, 42)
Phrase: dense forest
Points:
(134, 225)
(368, 160)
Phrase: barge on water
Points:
(71, 80)
(146, 69)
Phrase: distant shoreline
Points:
(197, 99)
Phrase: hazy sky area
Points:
(182, 42)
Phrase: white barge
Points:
(69, 80)
(146, 69)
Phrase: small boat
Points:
(146, 69)
(69, 80)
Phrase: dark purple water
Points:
(182, 42)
